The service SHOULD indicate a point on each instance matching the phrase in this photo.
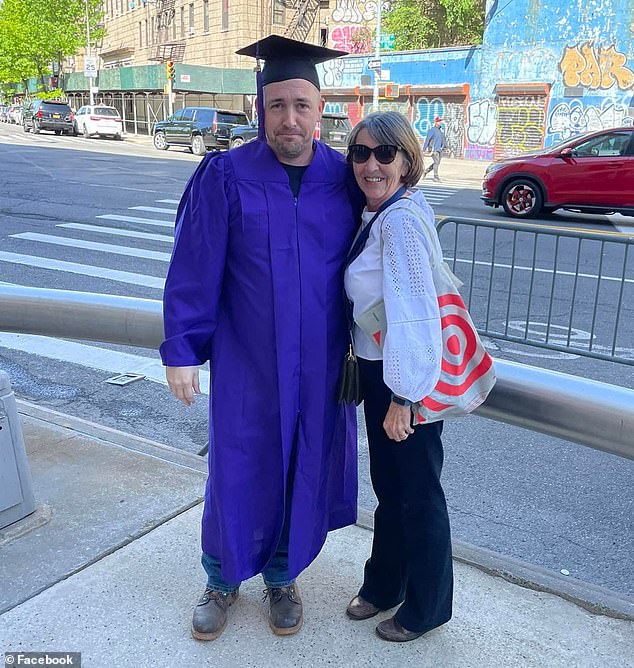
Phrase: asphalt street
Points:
(98, 216)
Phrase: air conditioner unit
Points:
(191, 32)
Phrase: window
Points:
(206, 116)
(279, 12)
(225, 15)
(188, 114)
(191, 18)
(174, 28)
(140, 34)
(206, 15)
(147, 33)
(183, 21)
(604, 146)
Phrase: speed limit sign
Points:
(90, 67)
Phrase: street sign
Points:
(387, 41)
(90, 67)
(374, 64)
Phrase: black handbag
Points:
(350, 385)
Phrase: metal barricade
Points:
(595, 414)
(555, 288)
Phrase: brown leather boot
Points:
(359, 608)
(286, 613)
(210, 614)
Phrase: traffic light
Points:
(169, 70)
(391, 90)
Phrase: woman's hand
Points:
(397, 423)
(183, 382)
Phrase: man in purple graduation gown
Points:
(255, 286)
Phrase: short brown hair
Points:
(390, 127)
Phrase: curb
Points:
(594, 599)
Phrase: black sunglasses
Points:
(360, 153)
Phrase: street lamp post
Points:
(377, 57)
(89, 55)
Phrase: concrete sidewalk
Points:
(110, 568)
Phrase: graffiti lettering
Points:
(351, 109)
(357, 12)
(520, 124)
(333, 73)
(347, 11)
(425, 111)
(568, 119)
(475, 152)
(595, 68)
(481, 121)
(342, 37)
(452, 113)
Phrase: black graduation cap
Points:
(289, 59)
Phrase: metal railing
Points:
(595, 414)
(560, 289)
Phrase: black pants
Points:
(411, 550)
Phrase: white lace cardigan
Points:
(394, 266)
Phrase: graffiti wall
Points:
(352, 24)
(575, 58)
(602, 80)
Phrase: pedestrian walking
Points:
(255, 286)
(435, 142)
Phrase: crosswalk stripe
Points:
(116, 231)
(83, 269)
(94, 245)
(168, 201)
(93, 357)
(152, 209)
(132, 219)
(440, 191)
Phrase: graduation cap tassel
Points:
(260, 101)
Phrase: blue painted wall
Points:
(578, 55)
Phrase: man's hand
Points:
(183, 382)
(397, 423)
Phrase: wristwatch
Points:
(400, 401)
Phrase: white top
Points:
(395, 266)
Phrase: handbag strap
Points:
(355, 251)
(363, 236)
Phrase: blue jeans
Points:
(275, 573)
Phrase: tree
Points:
(36, 33)
(427, 24)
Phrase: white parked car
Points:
(15, 114)
(99, 120)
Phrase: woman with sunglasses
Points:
(389, 282)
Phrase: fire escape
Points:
(306, 11)
(166, 50)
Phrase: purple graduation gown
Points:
(255, 286)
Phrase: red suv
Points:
(590, 173)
